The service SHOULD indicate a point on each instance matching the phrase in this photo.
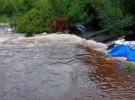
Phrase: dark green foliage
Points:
(30, 23)
(8, 7)
(36, 16)
(128, 67)
(129, 6)
(111, 13)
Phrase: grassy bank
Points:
(36, 16)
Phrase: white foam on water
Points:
(3, 39)
(49, 39)
(60, 39)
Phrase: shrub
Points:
(111, 13)
(128, 66)
(128, 6)
(30, 23)
(40, 17)
(35, 16)
(9, 7)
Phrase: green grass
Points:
(129, 67)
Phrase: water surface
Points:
(52, 71)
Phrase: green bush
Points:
(9, 7)
(72, 10)
(112, 15)
(30, 23)
(36, 16)
(129, 6)
(44, 12)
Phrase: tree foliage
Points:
(36, 16)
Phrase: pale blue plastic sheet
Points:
(123, 51)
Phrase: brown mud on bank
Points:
(110, 77)
(111, 82)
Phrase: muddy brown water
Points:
(58, 72)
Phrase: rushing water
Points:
(58, 68)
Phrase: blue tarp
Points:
(123, 51)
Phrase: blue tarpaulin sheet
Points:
(123, 51)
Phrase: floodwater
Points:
(40, 69)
